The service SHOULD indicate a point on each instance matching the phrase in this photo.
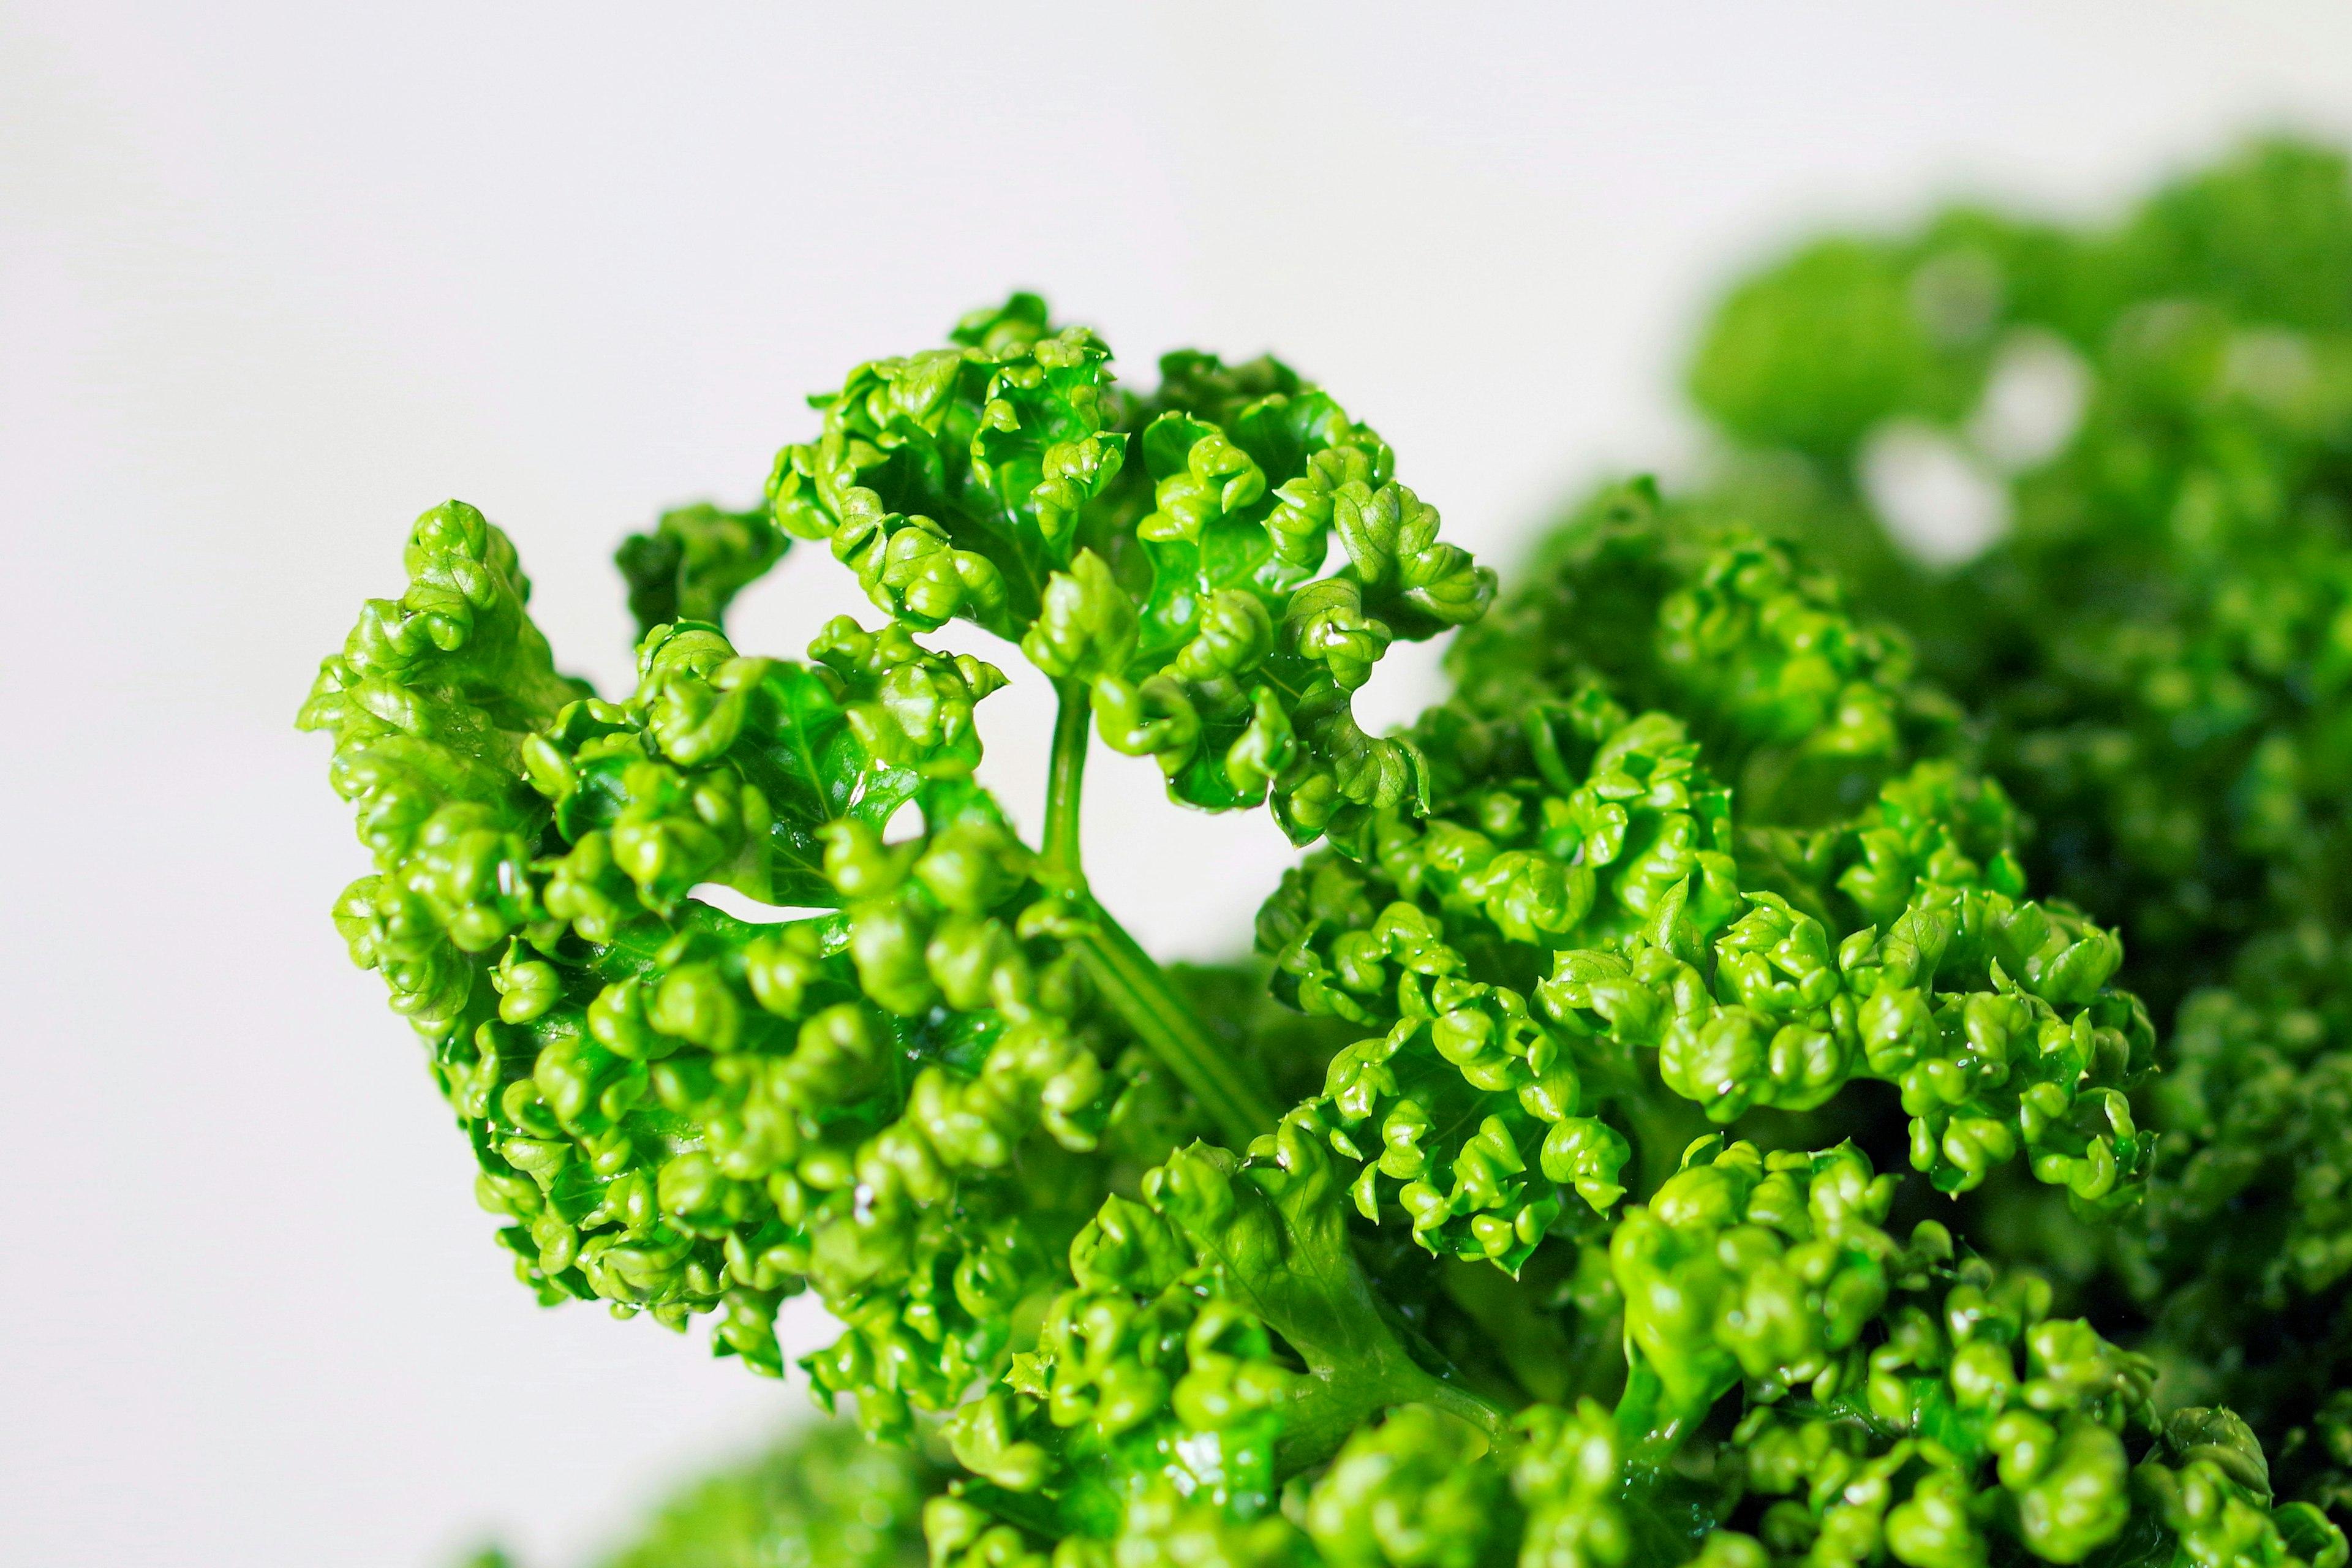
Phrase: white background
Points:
(274, 279)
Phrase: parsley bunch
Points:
(1569, 1181)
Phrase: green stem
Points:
(1164, 1020)
(1489, 1417)
(1064, 777)
(1138, 988)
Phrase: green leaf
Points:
(1164, 554)
(680, 1112)
(694, 561)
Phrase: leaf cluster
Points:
(2154, 656)
(1570, 1179)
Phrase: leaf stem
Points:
(1139, 989)
(1486, 1415)
(1158, 1014)
(1065, 776)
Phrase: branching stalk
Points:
(1138, 987)
(1161, 1017)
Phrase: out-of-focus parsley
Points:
(2157, 650)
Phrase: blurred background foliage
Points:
(2101, 475)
